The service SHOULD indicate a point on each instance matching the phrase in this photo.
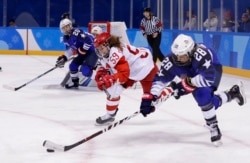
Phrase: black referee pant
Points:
(155, 45)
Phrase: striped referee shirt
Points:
(150, 26)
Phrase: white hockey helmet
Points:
(182, 45)
(96, 30)
(63, 23)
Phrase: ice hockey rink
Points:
(173, 134)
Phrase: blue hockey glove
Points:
(146, 104)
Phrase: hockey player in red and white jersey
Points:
(122, 66)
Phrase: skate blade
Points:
(217, 143)
(242, 91)
(105, 124)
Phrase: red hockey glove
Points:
(182, 88)
(106, 81)
(100, 73)
(187, 85)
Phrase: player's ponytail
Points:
(114, 41)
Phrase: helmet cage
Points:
(102, 40)
(178, 63)
(99, 54)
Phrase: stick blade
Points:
(9, 87)
(53, 146)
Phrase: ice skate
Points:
(72, 84)
(237, 92)
(215, 134)
(106, 119)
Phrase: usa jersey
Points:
(78, 39)
(138, 61)
(204, 69)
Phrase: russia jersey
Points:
(139, 61)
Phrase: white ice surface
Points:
(173, 134)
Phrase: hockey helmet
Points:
(96, 30)
(102, 39)
(101, 45)
(63, 23)
(182, 45)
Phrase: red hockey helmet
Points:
(101, 39)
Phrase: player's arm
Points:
(165, 75)
(62, 59)
(161, 80)
(206, 70)
(121, 75)
(86, 43)
(205, 77)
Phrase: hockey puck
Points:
(0, 68)
(50, 150)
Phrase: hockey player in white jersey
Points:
(122, 66)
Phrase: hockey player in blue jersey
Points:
(77, 43)
(200, 73)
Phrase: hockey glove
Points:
(147, 106)
(61, 60)
(182, 88)
(106, 81)
(100, 73)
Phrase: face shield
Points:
(102, 51)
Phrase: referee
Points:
(151, 27)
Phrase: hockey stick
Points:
(106, 92)
(17, 88)
(65, 80)
(51, 146)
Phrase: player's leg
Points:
(73, 68)
(111, 105)
(147, 85)
(204, 98)
(235, 93)
(88, 65)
